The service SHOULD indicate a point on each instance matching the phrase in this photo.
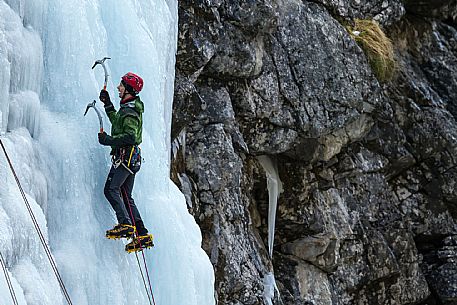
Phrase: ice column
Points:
(21, 65)
(21, 69)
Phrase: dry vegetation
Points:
(377, 47)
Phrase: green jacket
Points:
(126, 124)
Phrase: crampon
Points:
(139, 243)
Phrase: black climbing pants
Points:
(118, 191)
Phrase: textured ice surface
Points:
(47, 49)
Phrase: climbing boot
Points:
(121, 231)
(139, 243)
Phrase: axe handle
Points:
(99, 119)
(106, 76)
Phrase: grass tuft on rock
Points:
(377, 47)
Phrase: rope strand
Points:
(142, 276)
(147, 275)
(139, 241)
(8, 280)
(37, 227)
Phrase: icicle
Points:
(269, 286)
(274, 186)
(179, 143)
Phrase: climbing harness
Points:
(37, 227)
(8, 280)
(134, 155)
(142, 253)
(130, 159)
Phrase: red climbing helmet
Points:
(133, 81)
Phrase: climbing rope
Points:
(142, 252)
(8, 280)
(37, 227)
(142, 277)
(147, 274)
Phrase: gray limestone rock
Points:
(438, 8)
(367, 215)
(385, 12)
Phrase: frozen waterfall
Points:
(47, 49)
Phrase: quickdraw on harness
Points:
(128, 157)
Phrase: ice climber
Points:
(126, 131)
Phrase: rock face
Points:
(367, 212)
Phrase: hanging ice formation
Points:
(274, 186)
(47, 49)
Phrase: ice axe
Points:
(92, 105)
(102, 62)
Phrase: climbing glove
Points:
(104, 97)
(103, 138)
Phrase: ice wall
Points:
(46, 51)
